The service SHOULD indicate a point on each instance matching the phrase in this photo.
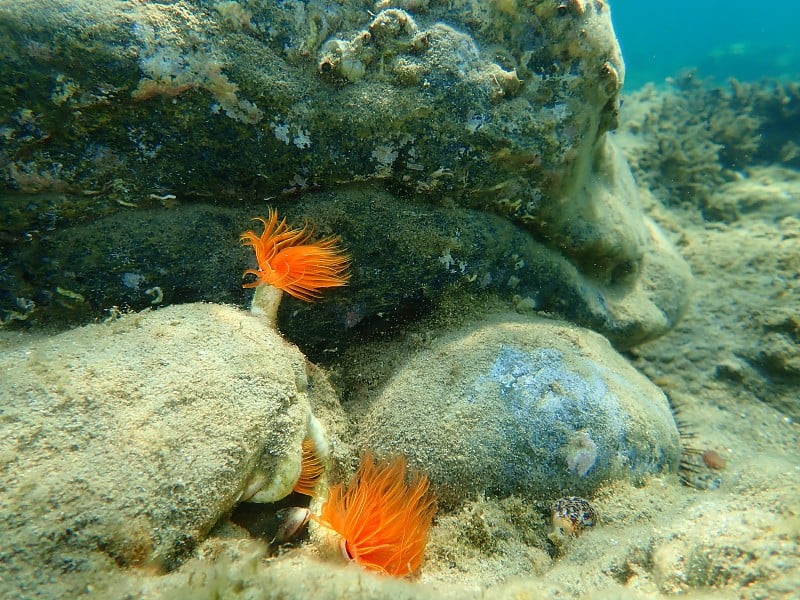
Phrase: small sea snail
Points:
(570, 516)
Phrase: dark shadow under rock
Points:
(405, 258)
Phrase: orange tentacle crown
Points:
(288, 261)
(382, 518)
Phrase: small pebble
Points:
(713, 460)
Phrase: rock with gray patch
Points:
(531, 407)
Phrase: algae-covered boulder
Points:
(123, 443)
(499, 104)
(503, 107)
(521, 406)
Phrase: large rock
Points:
(498, 104)
(123, 443)
(502, 107)
(521, 406)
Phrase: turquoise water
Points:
(722, 39)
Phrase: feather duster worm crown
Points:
(312, 467)
(383, 516)
(288, 261)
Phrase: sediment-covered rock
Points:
(123, 443)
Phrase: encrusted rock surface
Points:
(497, 104)
(502, 107)
(126, 442)
(531, 407)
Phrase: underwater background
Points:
(571, 305)
(719, 39)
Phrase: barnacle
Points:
(382, 516)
